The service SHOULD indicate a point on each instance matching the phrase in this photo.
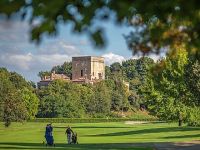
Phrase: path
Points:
(194, 145)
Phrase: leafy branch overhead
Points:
(160, 23)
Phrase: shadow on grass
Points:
(183, 136)
(152, 130)
(60, 146)
(103, 146)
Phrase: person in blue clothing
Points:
(50, 129)
(47, 131)
(49, 135)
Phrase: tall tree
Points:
(100, 104)
(17, 100)
(12, 107)
(168, 96)
(192, 77)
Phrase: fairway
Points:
(112, 136)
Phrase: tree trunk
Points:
(180, 122)
(180, 119)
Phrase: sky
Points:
(19, 54)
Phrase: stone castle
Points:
(85, 69)
(88, 69)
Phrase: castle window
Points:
(81, 73)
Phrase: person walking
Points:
(69, 134)
(51, 129)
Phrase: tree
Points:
(18, 81)
(134, 100)
(17, 100)
(63, 99)
(192, 76)
(42, 74)
(117, 101)
(12, 107)
(129, 68)
(167, 95)
(32, 84)
(31, 102)
(107, 72)
(65, 68)
(116, 67)
(100, 104)
(136, 71)
(158, 23)
(49, 106)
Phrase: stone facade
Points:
(48, 79)
(85, 69)
(88, 68)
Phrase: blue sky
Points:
(18, 54)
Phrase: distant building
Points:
(48, 79)
(85, 69)
(88, 69)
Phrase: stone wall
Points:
(97, 68)
(88, 67)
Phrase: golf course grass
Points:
(108, 136)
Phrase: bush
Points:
(193, 117)
(90, 120)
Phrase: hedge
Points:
(90, 120)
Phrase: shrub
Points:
(193, 117)
(90, 120)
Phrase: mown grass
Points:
(110, 136)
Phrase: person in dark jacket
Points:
(69, 133)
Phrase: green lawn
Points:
(108, 136)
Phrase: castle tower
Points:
(88, 68)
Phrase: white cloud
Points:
(59, 46)
(111, 58)
(14, 31)
(29, 61)
(152, 56)
(18, 54)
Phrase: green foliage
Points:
(134, 100)
(65, 68)
(192, 76)
(167, 92)
(42, 74)
(63, 99)
(156, 25)
(116, 67)
(17, 102)
(31, 102)
(117, 100)
(67, 99)
(193, 117)
(95, 120)
(107, 72)
(101, 102)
